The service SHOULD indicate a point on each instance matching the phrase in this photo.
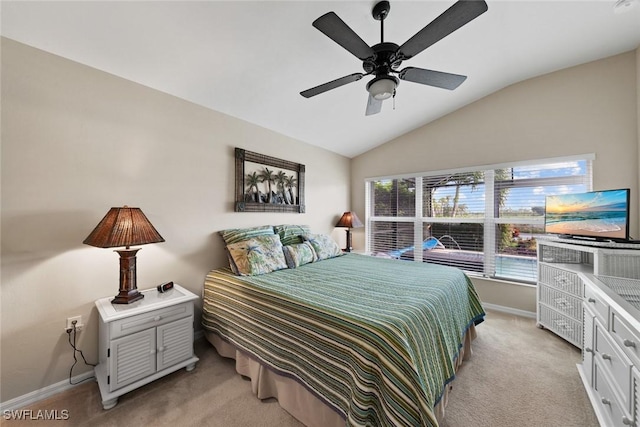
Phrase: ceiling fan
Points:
(383, 59)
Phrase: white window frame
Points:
(489, 221)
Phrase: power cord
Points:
(72, 342)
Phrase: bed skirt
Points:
(294, 397)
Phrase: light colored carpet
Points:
(519, 375)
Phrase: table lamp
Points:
(126, 227)
(349, 220)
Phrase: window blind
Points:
(483, 220)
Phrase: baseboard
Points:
(509, 310)
(48, 391)
(43, 393)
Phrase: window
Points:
(483, 220)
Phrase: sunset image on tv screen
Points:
(601, 214)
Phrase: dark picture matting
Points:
(268, 184)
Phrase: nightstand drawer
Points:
(139, 322)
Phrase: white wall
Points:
(77, 141)
(591, 108)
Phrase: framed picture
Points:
(268, 184)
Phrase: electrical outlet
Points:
(78, 320)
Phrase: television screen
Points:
(603, 215)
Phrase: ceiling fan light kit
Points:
(384, 59)
(382, 87)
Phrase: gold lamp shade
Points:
(126, 227)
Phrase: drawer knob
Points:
(157, 318)
(626, 421)
(588, 350)
(161, 349)
(629, 343)
(606, 401)
(605, 356)
(593, 300)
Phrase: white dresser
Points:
(143, 341)
(561, 266)
(611, 353)
(589, 294)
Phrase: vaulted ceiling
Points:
(251, 59)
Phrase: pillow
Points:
(299, 254)
(324, 245)
(235, 235)
(290, 233)
(258, 255)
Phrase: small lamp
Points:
(349, 220)
(124, 227)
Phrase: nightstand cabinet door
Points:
(175, 342)
(133, 357)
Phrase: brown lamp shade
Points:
(126, 227)
(123, 227)
(349, 220)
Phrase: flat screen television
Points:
(598, 215)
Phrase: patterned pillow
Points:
(299, 254)
(324, 245)
(235, 235)
(290, 233)
(258, 255)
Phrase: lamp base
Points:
(127, 297)
(128, 289)
(348, 248)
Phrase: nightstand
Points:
(143, 341)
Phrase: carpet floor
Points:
(519, 375)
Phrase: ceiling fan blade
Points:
(335, 28)
(331, 85)
(373, 106)
(432, 78)
(462, 12)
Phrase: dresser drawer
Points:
(568, 328)
(564, 280)
(607, 400)
(139, 322)
(561, 301)
(626, 336)
(597, 305)
(616, 363)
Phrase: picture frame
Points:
(268, 184)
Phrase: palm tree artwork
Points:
(290, 183)
(253, 192)
(280, 178)
(256, 191)
(268, 177)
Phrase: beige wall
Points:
(77, 141)
(590, 108)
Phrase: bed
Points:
(350, 340)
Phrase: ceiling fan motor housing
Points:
(384, 59)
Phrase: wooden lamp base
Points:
(128, 289)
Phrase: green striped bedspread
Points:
(374, 338)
